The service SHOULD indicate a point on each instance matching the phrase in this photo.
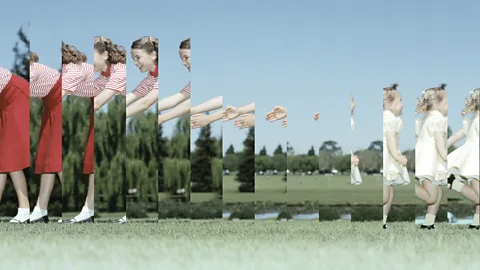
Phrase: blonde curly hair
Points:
(430, 97)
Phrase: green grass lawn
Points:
(197, 197)
(324, 190)
(217, 244)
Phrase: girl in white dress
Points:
(431, 150)
(463, 163)
(394, 163)
(355, 177)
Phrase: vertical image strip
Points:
(15, 150)
(463, 160)
(45, 128)
(366, 160)
(304, 181)
(431, 128)
(141, 131)
(206, 152)
(78, 130)
(239, 161)
(270, 170)
(174, 172)
(110, 84)
(333, 162)
(397, 165)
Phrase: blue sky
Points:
(307, 57)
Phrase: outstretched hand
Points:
(199, 120)
(246, 121)
(230, 113)
(278, 113)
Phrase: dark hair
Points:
(33, 57)
(148, 44)
(185, 44)
(71, 55)
(116, 54)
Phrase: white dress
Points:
(393, 172)
(428, 163)
(464, 160)
(355, 177)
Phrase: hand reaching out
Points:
(230, 113)
(199, 120)
(278, 113)
(316, 117)
(246, 121)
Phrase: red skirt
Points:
(49, 151)
(89, 158)
(15, 125)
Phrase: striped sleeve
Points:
(42, 80)
(145, 86)
(186, 89)
(99, 83)
(71, 78)
(117, 81)
(5, 76)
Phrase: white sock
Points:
(457, 185)
(23, 214)
(37, 213)
(91, 212)
(385, 219)
(40, 210)
(429, 220)
(476, 221)
(84, 214)
(24, 211)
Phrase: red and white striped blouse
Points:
(42, 79)
(114, 79)
(186, 89)
(77, 79)
(147, 84)
(5, 76)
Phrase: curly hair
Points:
(472, 102)
(430, 97)
(71, 55)
(116, 54)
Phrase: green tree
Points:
(230, 150)
(201, 167)
(246, 167)
(311, 152)
(263, 152)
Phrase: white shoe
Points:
(20, 218)
(123, 220)
(83, 217)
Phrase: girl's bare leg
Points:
(475, 184)
(3, 183)
(20, 184)
(46, 186)
(89, 201)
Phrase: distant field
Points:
(218, 244)
(203, 197)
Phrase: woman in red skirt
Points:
(77, 79)
(15, 138)
(110, 60)
(46, 83)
